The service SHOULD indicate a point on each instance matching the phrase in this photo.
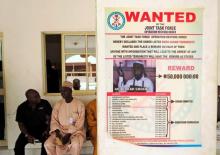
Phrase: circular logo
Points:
(116, 20)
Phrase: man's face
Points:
(66, 92)
(76, 84)
(138, 70)
(33, 97)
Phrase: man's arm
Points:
(24, 131)
(22, 128)
(92, 119)
(20, 118)
(54, 124)
(90, 114)
(48, 111)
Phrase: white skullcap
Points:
(138, 62)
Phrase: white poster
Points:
(152, 61)
(154, 51)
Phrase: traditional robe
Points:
(68, 118)
(91, 117)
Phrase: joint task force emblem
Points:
(116, 20)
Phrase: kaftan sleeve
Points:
(91, 114)
(54, 124)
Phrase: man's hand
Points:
(30, 138)
(24, 131)
(66, 138)
(58, 134)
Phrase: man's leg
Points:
(94, 139)
(43, 151)
(20, 144)
(50, 145)
(76, 145)
(94, 142)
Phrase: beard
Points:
(138, 77)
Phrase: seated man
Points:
(139, 83)
(33, 117)
(91, 117)
(67, 124)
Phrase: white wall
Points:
(22, 23)
(219, 43)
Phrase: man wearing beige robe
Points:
(67, 125)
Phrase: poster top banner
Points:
(169, 21)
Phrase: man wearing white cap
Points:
(67, 125)
(139, 83)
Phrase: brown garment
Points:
(91, 116)
(68, 118)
